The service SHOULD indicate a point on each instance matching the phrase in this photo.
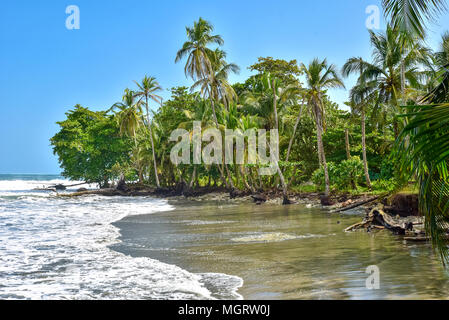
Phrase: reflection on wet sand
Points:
(289, 252)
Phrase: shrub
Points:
(318, 175)
(343, 176)
(386, 169)
(383, 185)
(349, 173)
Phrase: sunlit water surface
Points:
(285, 252)
(143, 248)
(59, 248)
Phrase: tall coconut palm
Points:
(200, 63)
(130, 115)
(394, 69)
(411, 15)
(147, 88)
(359, 97)
(320, 76)
(201, 113)
(439, 92)
(266, 101)
(295, 127)
(422, 150)
(216, 85)
(199, 37)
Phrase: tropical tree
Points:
(146, 91)
(216, 85)
(411, 15)
(423, 152)
(89, 145)
(196, 49)
(129, 116)
(202, 64)
(267, 100)
(319, 77)
(394, 71)
(439, 79)
(360, 96)
(295, 127)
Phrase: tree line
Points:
(394, 129)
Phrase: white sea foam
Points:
(273, 237)
(52, 248)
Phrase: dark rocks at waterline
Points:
(326, 201)
(121, 185)
(81, 190)
(238, 194)
(59, 187)
(403, 204)
(286, 201)
(259, 198)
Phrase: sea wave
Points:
(53, 248)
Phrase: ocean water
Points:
(58, 248)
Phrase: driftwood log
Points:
(358, 204)
(378, 219)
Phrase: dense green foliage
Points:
(384, 138)
(89, 145)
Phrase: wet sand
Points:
(284, 252)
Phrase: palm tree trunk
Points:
(395, 127)
(231, 183)
(192, 180)
(276, 126)
(152, 145)
(245, 182)
(365, 161)
(320, 158)
(348, 149)
(321, 154)
(294, 133)
(276, 121)
(220, 169)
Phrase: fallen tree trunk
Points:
(378, 219)
(59, 186)
(358, 204)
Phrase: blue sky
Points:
(47, 69)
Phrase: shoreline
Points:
(234, 239)
(311, 199)
(398, 213)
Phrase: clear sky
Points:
(45, 69)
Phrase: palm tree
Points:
(200, 113)
(422, 151)
(295, 127)
(319, 77)
(216, 85)
(129, 119)
(411, 15)
(201, 65)
(439, 83)
(199, 37)
(147, 89)
(130, 114)
(266, 101)
(359, 96)
(394, 70)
